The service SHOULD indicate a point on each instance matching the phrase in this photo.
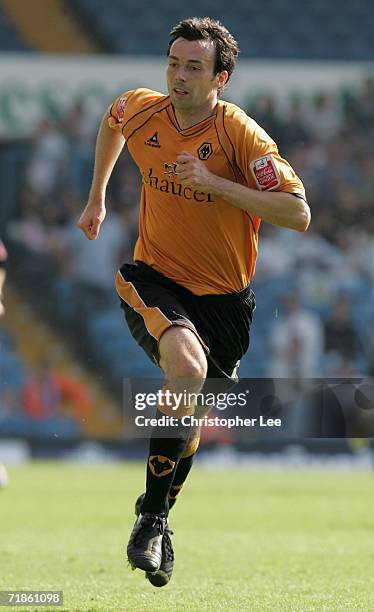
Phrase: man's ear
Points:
(222, 78)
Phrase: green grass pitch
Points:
(244, 540)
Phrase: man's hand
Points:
(192, 171)
(92, 218)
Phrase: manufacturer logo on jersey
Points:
(205, 150)
(265, 173)
(153, 141)
(170, 169)
(120, 111)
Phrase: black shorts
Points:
(152, 303)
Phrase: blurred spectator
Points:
(9, 404)
(92, 264)
(359, 106)
(294, 128)
(79, 125)
(47, 169)
(273, 259)
(48, 394)
(340, 335)
(3, 258)
(31, 231)
(126, 185)
(365, 103)
(369, 347)
(324, 117)
(296, 340)
(41, 395)
(337, 366)
(266, 114)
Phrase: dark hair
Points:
(205, 28)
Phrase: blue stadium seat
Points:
(115, 347)
(11, 367)
(286, 29)
(10, 40)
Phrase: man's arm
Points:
(276, 207)
(109, 145)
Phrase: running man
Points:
(210, 174)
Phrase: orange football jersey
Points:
(195, 238)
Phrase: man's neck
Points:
(187, 119)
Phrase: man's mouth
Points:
(180, 91)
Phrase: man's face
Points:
(190, 74)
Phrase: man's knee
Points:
(182, 356)
(187, 367)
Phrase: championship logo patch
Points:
(265, 172)
(121, 109)
(160, 465)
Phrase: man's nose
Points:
(181, 74)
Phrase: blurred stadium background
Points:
(306, 74)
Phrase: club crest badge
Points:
(205, 150)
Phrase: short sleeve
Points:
(259, 160)
(118, 109)
(268, 169)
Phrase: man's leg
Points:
(184, 466)
(184, 364)
(165, 571)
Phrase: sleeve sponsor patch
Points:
(265, 172)
(120, 110)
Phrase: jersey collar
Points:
(194, 129)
